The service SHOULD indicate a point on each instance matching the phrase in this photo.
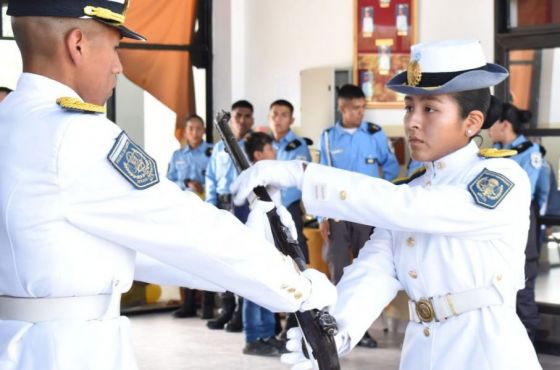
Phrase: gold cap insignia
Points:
(77, 105)
(413, 73)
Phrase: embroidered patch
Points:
(489, 188)
(536, 159)
(133, 163)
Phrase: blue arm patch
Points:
(489, 188)
(133, 163)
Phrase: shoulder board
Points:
(208, 151)
(496, 153)
(133, 163)
(523, 146)
(373, 128)
(307, 140)
(405, 180)
(76, 105)
(489, 188)
(294, 144)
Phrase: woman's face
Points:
(434, 127)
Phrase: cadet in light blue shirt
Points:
(358, 146)
(188, 165)
(505, 133)
(220, 173)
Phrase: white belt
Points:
(94, 307)
(443, 307)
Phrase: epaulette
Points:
(294, 144)
(523, 146)
(308, 141)
(373, 128)
(208, 151)
(76, 105)
(405, 180)
(496, 153)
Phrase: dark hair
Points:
(350, 92)
(283, 103)
(493, 113)
(5, 89)
(192, 116)
(242, 104)
(472, 100)
(516, 116)
(255, 142)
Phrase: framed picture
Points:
(384, 30)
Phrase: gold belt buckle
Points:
(425, 310)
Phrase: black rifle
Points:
(318, 327)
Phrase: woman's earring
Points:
(469, 133)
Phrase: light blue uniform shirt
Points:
(288, 148)
(220, 172)
(187, 163)
(529, 159)
(361, 151)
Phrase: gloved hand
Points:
(297, 360)
(258, 220)
(270, 173)
(323, 292)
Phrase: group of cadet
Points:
(351, 143)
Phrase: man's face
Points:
(241, 121)
(280, 119)
(352, 111)
(101, 65)
(194, 131)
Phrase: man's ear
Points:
(75, 45)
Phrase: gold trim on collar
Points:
(77, 105)
(496, 153)
(104, 14)
(413, 73)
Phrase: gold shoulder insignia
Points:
(496, 153)
(405, 180)
(76, 105)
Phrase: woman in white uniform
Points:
(452, 237)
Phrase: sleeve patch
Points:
(133, 163)
(489, 188)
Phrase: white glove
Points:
(270, 173)
(323, 292)
(258, 220)
(297, 360)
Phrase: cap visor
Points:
(125, 32)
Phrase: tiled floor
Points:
(164, 343)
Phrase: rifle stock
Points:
(318, 327)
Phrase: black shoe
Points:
(234, 325)
(260, 348)
(220, 322)
(367, 342)
(184, 312)
(279, 344)
(207, 313)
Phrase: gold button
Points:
(428, 184)
(440, 165)
(427, 332)
(499, 277)
(410, 241)
(413, 274)
(343, 195)
(291, 290)
(297, 295)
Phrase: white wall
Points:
(272, 41)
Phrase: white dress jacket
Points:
(431, 239)
(72, 225)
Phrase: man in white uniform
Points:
(453, 237)
(83, 210)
